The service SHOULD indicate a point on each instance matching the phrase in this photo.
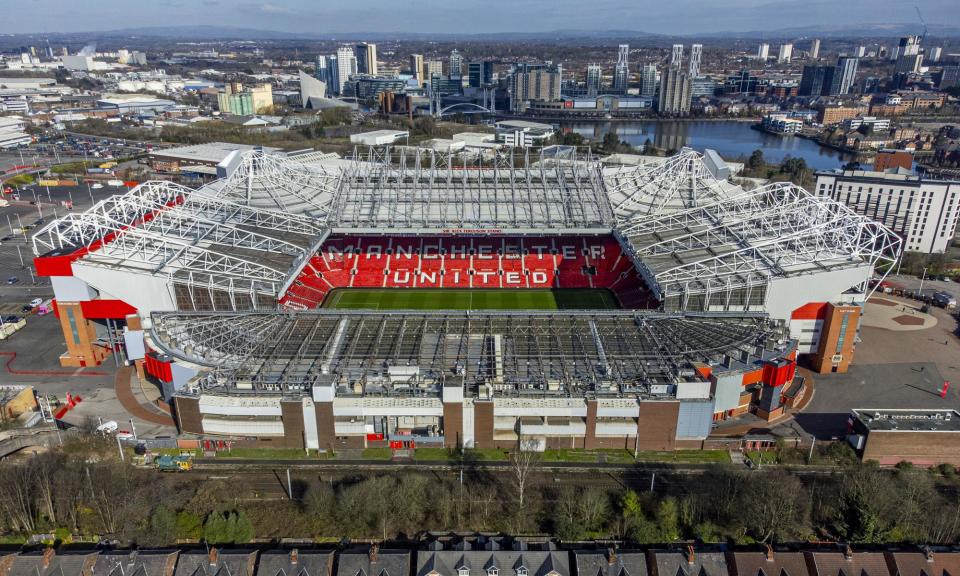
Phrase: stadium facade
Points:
(217, 294)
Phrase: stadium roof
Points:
(247, 236)
(417, 353)
(165, 229)
(740, 241)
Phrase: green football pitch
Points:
(469, 299)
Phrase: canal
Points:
(729, 138)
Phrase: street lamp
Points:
(924, 277)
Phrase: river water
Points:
(729, 138)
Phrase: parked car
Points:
(11, 319)
(12, 280)
(36, 302)
(108, 427)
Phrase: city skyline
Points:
(684, 17)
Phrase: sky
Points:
(466, 16)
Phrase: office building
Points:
(815, 49)
(593, 79)
(950, 76)
(480, 73)
(922, 211)
(534, 82)
(676, 56)
(846, 74)
(763, 52)
(674, 92)
(785, 54)
(817, 80)
(860, 52)
(621, 73)
(648, 81)
(456, 65)
(741, 83)
(416, 67)
(366, 55)
(696, 52)
(702, 86)
(935, 54)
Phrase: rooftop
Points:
(214, 152)
(893, 420)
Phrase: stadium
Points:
(406, 297)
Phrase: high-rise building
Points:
(846, 73)
(366, 55)
(950, 76)
(648, 80)
(480, 73)
(346, 66)
(456, 65)
(431, 67)
(593, 79)
(763, 52)
(785, 54)
(935, 53)
(674, 92)
(696, 53)
(817, 80)
(540, 82)
(676, 56)
(321, 72)
(621, 73)
(860, 52)
(909, 57)
(416, 67)
(814, 48)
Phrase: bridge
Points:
(467, 108)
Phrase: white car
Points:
(97, 186)
(108, 427)
(124, 435)
(36, 302)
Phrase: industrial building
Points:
(216, 294)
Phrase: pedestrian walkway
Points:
(122, 387)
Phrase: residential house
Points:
(216, 562)
(689, 562)
(610, 562)
(928, 562)
(136, 563)
(492, 563)
(769, 562)
(373, 562)
(50, 562)
(847, 563)
(296, 563)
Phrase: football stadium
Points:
(406, 297)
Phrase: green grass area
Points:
(377, 453)
(273, 454)
(469, 299)
(685, 456)
(433, 454)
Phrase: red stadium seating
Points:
(469, 262)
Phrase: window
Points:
(463, 571)
(521, 571)
(493, 571)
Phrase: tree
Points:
(161, 527)
(756, 162)
(668, 520)
(523, 461)
(188, 526)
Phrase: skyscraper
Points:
(785, 54)
(909, 57)
(935, 53)
(696, 52)
(456, 65)
(346, 66)
(763, 51)
(846, 73)
(676, 56)
(366, 55)
(593, 79)
(648, 80)
(621, 73)
(416, 67)
(817, 80)
(431, 67)
(815, 48)
(674, 92)
(860, 52)
(321, 72)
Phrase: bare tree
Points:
(523, 462)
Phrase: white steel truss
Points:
(681, 181)
(776, 230)
(279, 183)
(195, 239)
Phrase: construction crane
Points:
(922, 21)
